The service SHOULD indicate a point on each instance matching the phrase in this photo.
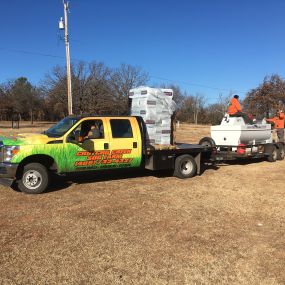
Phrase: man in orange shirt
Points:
(234, 106)
(278, 121)
(234, 110)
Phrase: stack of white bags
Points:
(156, 107)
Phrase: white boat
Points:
(233, 131)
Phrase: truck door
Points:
(125, 141)
(87, 145)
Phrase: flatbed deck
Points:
(163, 156)
(179, 147)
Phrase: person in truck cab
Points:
(278, 122)
(234, 110)
(94, 132)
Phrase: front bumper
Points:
(7, 173)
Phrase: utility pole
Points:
(63, 25)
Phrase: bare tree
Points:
(99, 93)
(264, 99)
(124, 78)
(21, 97)
(96, 88)
(223, 102)
(198, 104)
(55, 88)
(90, 88)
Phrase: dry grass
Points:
(25, 127)
(223, 227)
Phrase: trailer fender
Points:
(207, 141)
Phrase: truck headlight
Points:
(9, 152)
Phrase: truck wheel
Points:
(280, 152)
(272, 157)
(185, 166)
(206, 141)
(34, 179)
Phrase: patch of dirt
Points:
(223, 227)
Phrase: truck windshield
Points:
(61, 127)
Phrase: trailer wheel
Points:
(34, 179)
(206, 141)
(185, 166)
(280, 152)
(272, 157)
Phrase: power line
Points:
(195, 84)
(32, 53)
(151, 76)
(39, 54)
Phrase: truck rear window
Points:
(121, 128)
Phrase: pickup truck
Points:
(91, 143)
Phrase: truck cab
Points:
(98, 143)
(73, 144)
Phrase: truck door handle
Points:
(106, 146)
(135, 144)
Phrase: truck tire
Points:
(185, 166)
(272, 157)
(34, 179)
(280, 152)
(206, 141)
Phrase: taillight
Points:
(241, 148)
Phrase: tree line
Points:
(98, 89)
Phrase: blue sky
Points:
(222, 44)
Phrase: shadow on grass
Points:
(209, 166)
(245, 161)
(218, 164)
(61, 182)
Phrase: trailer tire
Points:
(34, 179)
(280, 152)
(272, 157)
(185, 166)
(207, 141)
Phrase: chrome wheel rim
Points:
(186, 167)
(32, 179)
